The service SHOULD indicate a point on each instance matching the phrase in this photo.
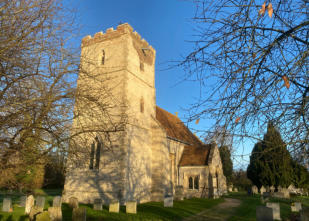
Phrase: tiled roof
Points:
(175, 128)
(196, 155)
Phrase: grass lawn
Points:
(145, 211)
(246, 210)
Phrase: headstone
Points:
(43, 216)
(267, 189)
(278, 194)
(266, 194)
(254, 190)
(35, 210)
(22, 201)
(7, 205)
(279, 188)
(179, 193)
(55, 213)
(73, 202)
(114, 207)
(291, 188)
(272, 189)
(168, 201)
(276, 210)
(79, 214)
(57, 201)
(296, 207)
(29, 204)
(131, 207)
(235, 189)
(262, 190)
(304, 214)
(40, 202)
(97, 204)
(230, 188)
(264, 213)
(286, 193)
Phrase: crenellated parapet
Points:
(112, 33)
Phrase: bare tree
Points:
(251, 58)
(38, 73)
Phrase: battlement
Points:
(111, 33)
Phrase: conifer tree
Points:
(227, 164)
(270, 161)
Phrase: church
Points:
(124, 147)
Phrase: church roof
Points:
(175, 128)
(195, 153)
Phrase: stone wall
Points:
(161, 173)
(115, 103)
(192, 171)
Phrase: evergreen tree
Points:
(270, 161)
(227, 164)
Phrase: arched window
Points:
(196, 182)
(95, 154)
(190, 183)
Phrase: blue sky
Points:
(168, 27)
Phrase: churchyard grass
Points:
(145, 211)
(247, 209)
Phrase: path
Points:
(220, 212)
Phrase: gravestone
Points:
(73, 202)
(179, 193)
(79, 214)
(286, 193)
(279, 188)
(304, 214)
(114, 207)
(272, 189)
(29, 204)
(267, 189)
(97, 204)
(230, 188)
(57, 201)
(40, 202)
(262, 190)
(235, 189)
(264, 213)
(7, 205)
(131, 207)
(55, 213)
(43, 216)
(254, 190)
(296, 207)
(35, 210)
(276, 210)
(22, 201)
(168, 201)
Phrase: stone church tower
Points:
(115, 110)
(123, 146)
